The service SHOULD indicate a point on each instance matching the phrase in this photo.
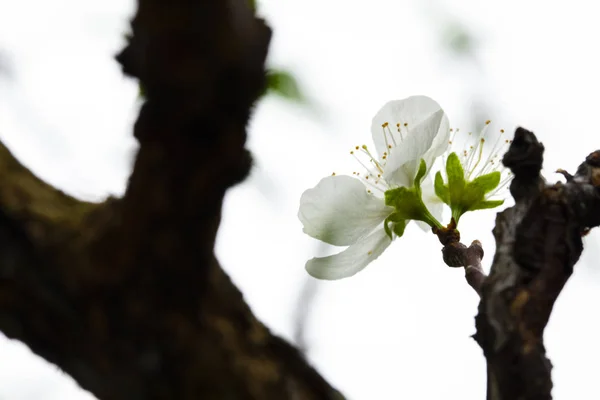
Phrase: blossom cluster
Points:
(369, 209)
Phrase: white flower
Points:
(350, 211)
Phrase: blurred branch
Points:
(126, 295)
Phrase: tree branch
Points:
(538, 241)
(458, 255)
(126, 295)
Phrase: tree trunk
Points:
(126, 296)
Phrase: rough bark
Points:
(538, 241)
(126, 295)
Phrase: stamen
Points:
(372, 159)
(482, 141)
(385, 135)
(392, 136)
(477, 144)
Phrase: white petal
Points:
(440, 144)
(350, 261)
(434, 204)
(403, 160)
(412, 111)
(339, 210)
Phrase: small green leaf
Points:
(386, 226)
(284, 84)
(441, 190)
(456, 177)
(398, 225)
(409, 205)
(487, 182)
(485, 204)
(420, 173)
(463, 196)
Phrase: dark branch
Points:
(127, 295)
(456, 255)
(538, 241)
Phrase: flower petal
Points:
(339, 210)
(403, 160)
(350, 261)
(411, 111)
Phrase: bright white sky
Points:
(400, 328)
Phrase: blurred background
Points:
(401, 328)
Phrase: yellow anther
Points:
(356, 147)
(488, 122)
(367, 177)
(333, 174)
(406, 124)
(384, 125)
(364, 146)
(398, 124)
(501, 130)
(389, 146)
(369, 253)
(352, 152)
(368, 191)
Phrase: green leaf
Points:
(485, 204)
(409, 205)
(283, 83)
(420, 173)
(456, 177)
(486, 183)
(398, 225)
(463, 196)
(441, 190)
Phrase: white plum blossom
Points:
(350, 211)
